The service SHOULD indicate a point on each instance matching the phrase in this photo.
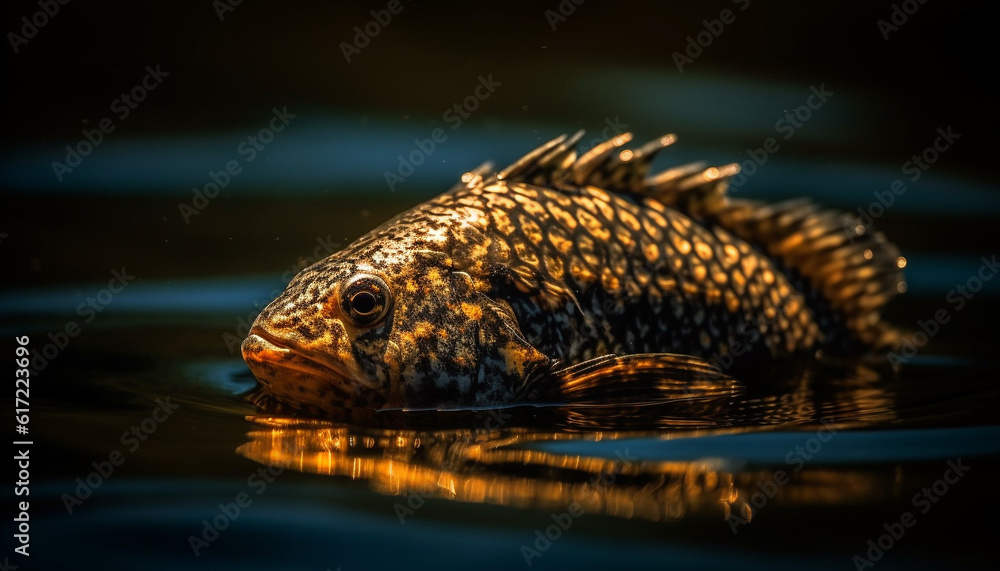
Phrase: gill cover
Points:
(457, 347)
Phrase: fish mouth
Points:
(290, 375)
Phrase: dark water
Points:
(802, 471)
(805, 472)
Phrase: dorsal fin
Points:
(545, 164)
(475, 177)
(855, 269)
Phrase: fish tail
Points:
(854, 269)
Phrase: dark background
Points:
(605, 60)
(935, 70)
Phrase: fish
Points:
(575, 277)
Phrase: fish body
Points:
(563, 270)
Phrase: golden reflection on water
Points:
(503, 457)
(489, 466)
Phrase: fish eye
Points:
(365, 299)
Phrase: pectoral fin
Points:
(640, 378)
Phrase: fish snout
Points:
(298, 374)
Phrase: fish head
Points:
(389, 325)
(320, 342)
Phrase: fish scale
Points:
(565, 277)
(609, 295)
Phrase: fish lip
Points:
(299, 361)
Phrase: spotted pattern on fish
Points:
(498, 290)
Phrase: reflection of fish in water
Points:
(571, 278)
(492, 466)
(521, 467)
